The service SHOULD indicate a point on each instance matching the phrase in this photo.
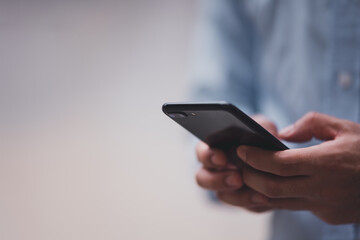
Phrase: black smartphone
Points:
(223, 126)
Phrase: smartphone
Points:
(222, 126)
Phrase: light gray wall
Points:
(86, 152)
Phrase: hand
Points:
(324, 179)
(219, 175)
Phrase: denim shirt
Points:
(282, 58)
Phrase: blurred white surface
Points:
(86, 152)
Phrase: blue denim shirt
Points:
(282, 58)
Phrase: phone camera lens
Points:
(177, 115)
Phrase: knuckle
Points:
(200, 156)
(208, 180)
(202, 152)
(199, 179)
(311, 116)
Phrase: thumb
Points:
(313, 124)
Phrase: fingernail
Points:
(258, 198)
(234, 181)
(287, 131)
(217, 160)
(241, 152)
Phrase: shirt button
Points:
(345, 80)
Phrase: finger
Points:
(295, 204)
(292, 162)
(313, 124)
(265, 123)
(244, 197)
(210, 158)
(260, 209)
(219, 181)
(274, 186)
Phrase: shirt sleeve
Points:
(223, 66)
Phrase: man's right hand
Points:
(218, 175)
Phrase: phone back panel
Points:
(222, 125)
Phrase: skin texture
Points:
(324, 179)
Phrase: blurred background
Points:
(86, 152)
